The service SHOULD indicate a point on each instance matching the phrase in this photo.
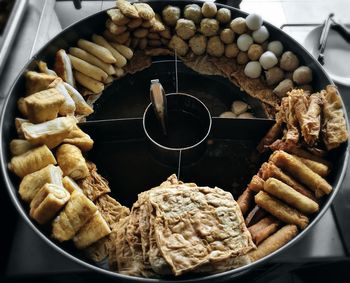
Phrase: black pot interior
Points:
(121, 151)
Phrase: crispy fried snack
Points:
(37, 81)
(334, 127)
(95, 229)
(18, 125)
(256, 184)
(70, 185)
(145, 11)
(68, 106)
(18, 146)
(290, 196)
(320, 168)
(91, 84)
(268, 170)
(80, 139)
(63, 67)
(255, 216)
(33, 182)
(301, 172)
(270, 137)
(50, 133)
(44, 105)
(263, 229)
(100, 52)
(88, 69)
(82, 108)
(22, 107)
(274, 242)
(47, 202)
(72, 162)
(76, 213)
(246, 200)
(118, 17)
(127, 9)
(280, 210)
(44, 69)
(93, 185)
(31, 161)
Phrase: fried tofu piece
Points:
(117, 17)
(50, 133)
(44, 105)
(80, 139)
(127, 9)
(63, 67)
(33, 182)
(95, 229)
(22, 107)
(93, 185)
(18, 125)
(18, 146)
(37, 81)
(72, 162)
(31, 161)
(70, 185)
(73, 217)
(145, 11)
(81, 106)
(68, 106)
(48, 201)
(44, 69)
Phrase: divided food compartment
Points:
(121, 151)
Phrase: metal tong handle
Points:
(158, 99)
(323, 38)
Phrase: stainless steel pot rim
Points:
(226, 274)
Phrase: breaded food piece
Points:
(31, 161)
(117, 17)
(263, 229)
(290, 196)
(33, 182)
(179, 45)
(68, 106)
(75, 214)
(63, 67)
(223, 15)
(127, 9)
(157, 24)
(227, 36)
(185, 28)
(80, 139)
(193, 12)
(48, 201)
(37, 81)
(215, 47)
(301, 172)
(115, 29)
(70, 185)
(92, 231)
(274, 242)
(44, 105)
(209, 27)
(171, 14)
(93, 184)
(72, 162)
(18, 146)
(246, 201)
(145, 11)
(198, 44)
(238, 25)
(281, 210)
(320, 168)
(209, 9)
(50, 133)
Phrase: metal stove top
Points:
(29, 255)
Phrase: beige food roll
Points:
(31, 161)
(99, 51)
(18, 125)
(18, 146)
(124, 50)
(89, 83)
(127, 9)
(44, 105)
(72, 162)
(120, 60)
(115, 29)
(70, 185)
(33, 182)
(280, 210)
(246, 200)
(301, 172)
(274, 242)
(268, 170)
(75, 214)
(95, 229)
(88, 69)
(117, 17)
(256, 184)
(48, 201)
(50, 133)
(318, 167)
(86, 56)
(63, 67)
(290, 196)
(263, 229)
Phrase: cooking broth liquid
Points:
(183, 130)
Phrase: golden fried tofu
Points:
(47, 202)
(37, 81)
(18, 125)
(31, 161)
(18, 146)
(72, 162)
(50, 133)
(63, 67)
(72, 218)
(68, 105)
(44, 105)
(33, 182)
(80, 139)
(70, 185)
(95, 229)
